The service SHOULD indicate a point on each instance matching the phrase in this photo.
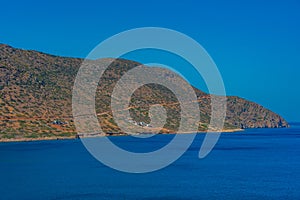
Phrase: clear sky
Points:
(255, 43)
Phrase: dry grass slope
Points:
(36, 93)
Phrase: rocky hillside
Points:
(36, 93)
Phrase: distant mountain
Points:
(36, 97)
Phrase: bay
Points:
(253, 164)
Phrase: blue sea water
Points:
(254, 164)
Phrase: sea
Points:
(253, 164)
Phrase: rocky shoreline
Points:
(76, 137)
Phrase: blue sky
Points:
(255, 44)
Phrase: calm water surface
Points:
(255, 164)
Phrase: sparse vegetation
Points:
(36, 88)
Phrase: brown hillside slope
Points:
(36, 90)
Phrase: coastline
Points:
(5, 140)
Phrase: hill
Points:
(36, 98)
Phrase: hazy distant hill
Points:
(36, 92)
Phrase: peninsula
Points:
(36, 99)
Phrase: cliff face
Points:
(36, 90)
(246, 114)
